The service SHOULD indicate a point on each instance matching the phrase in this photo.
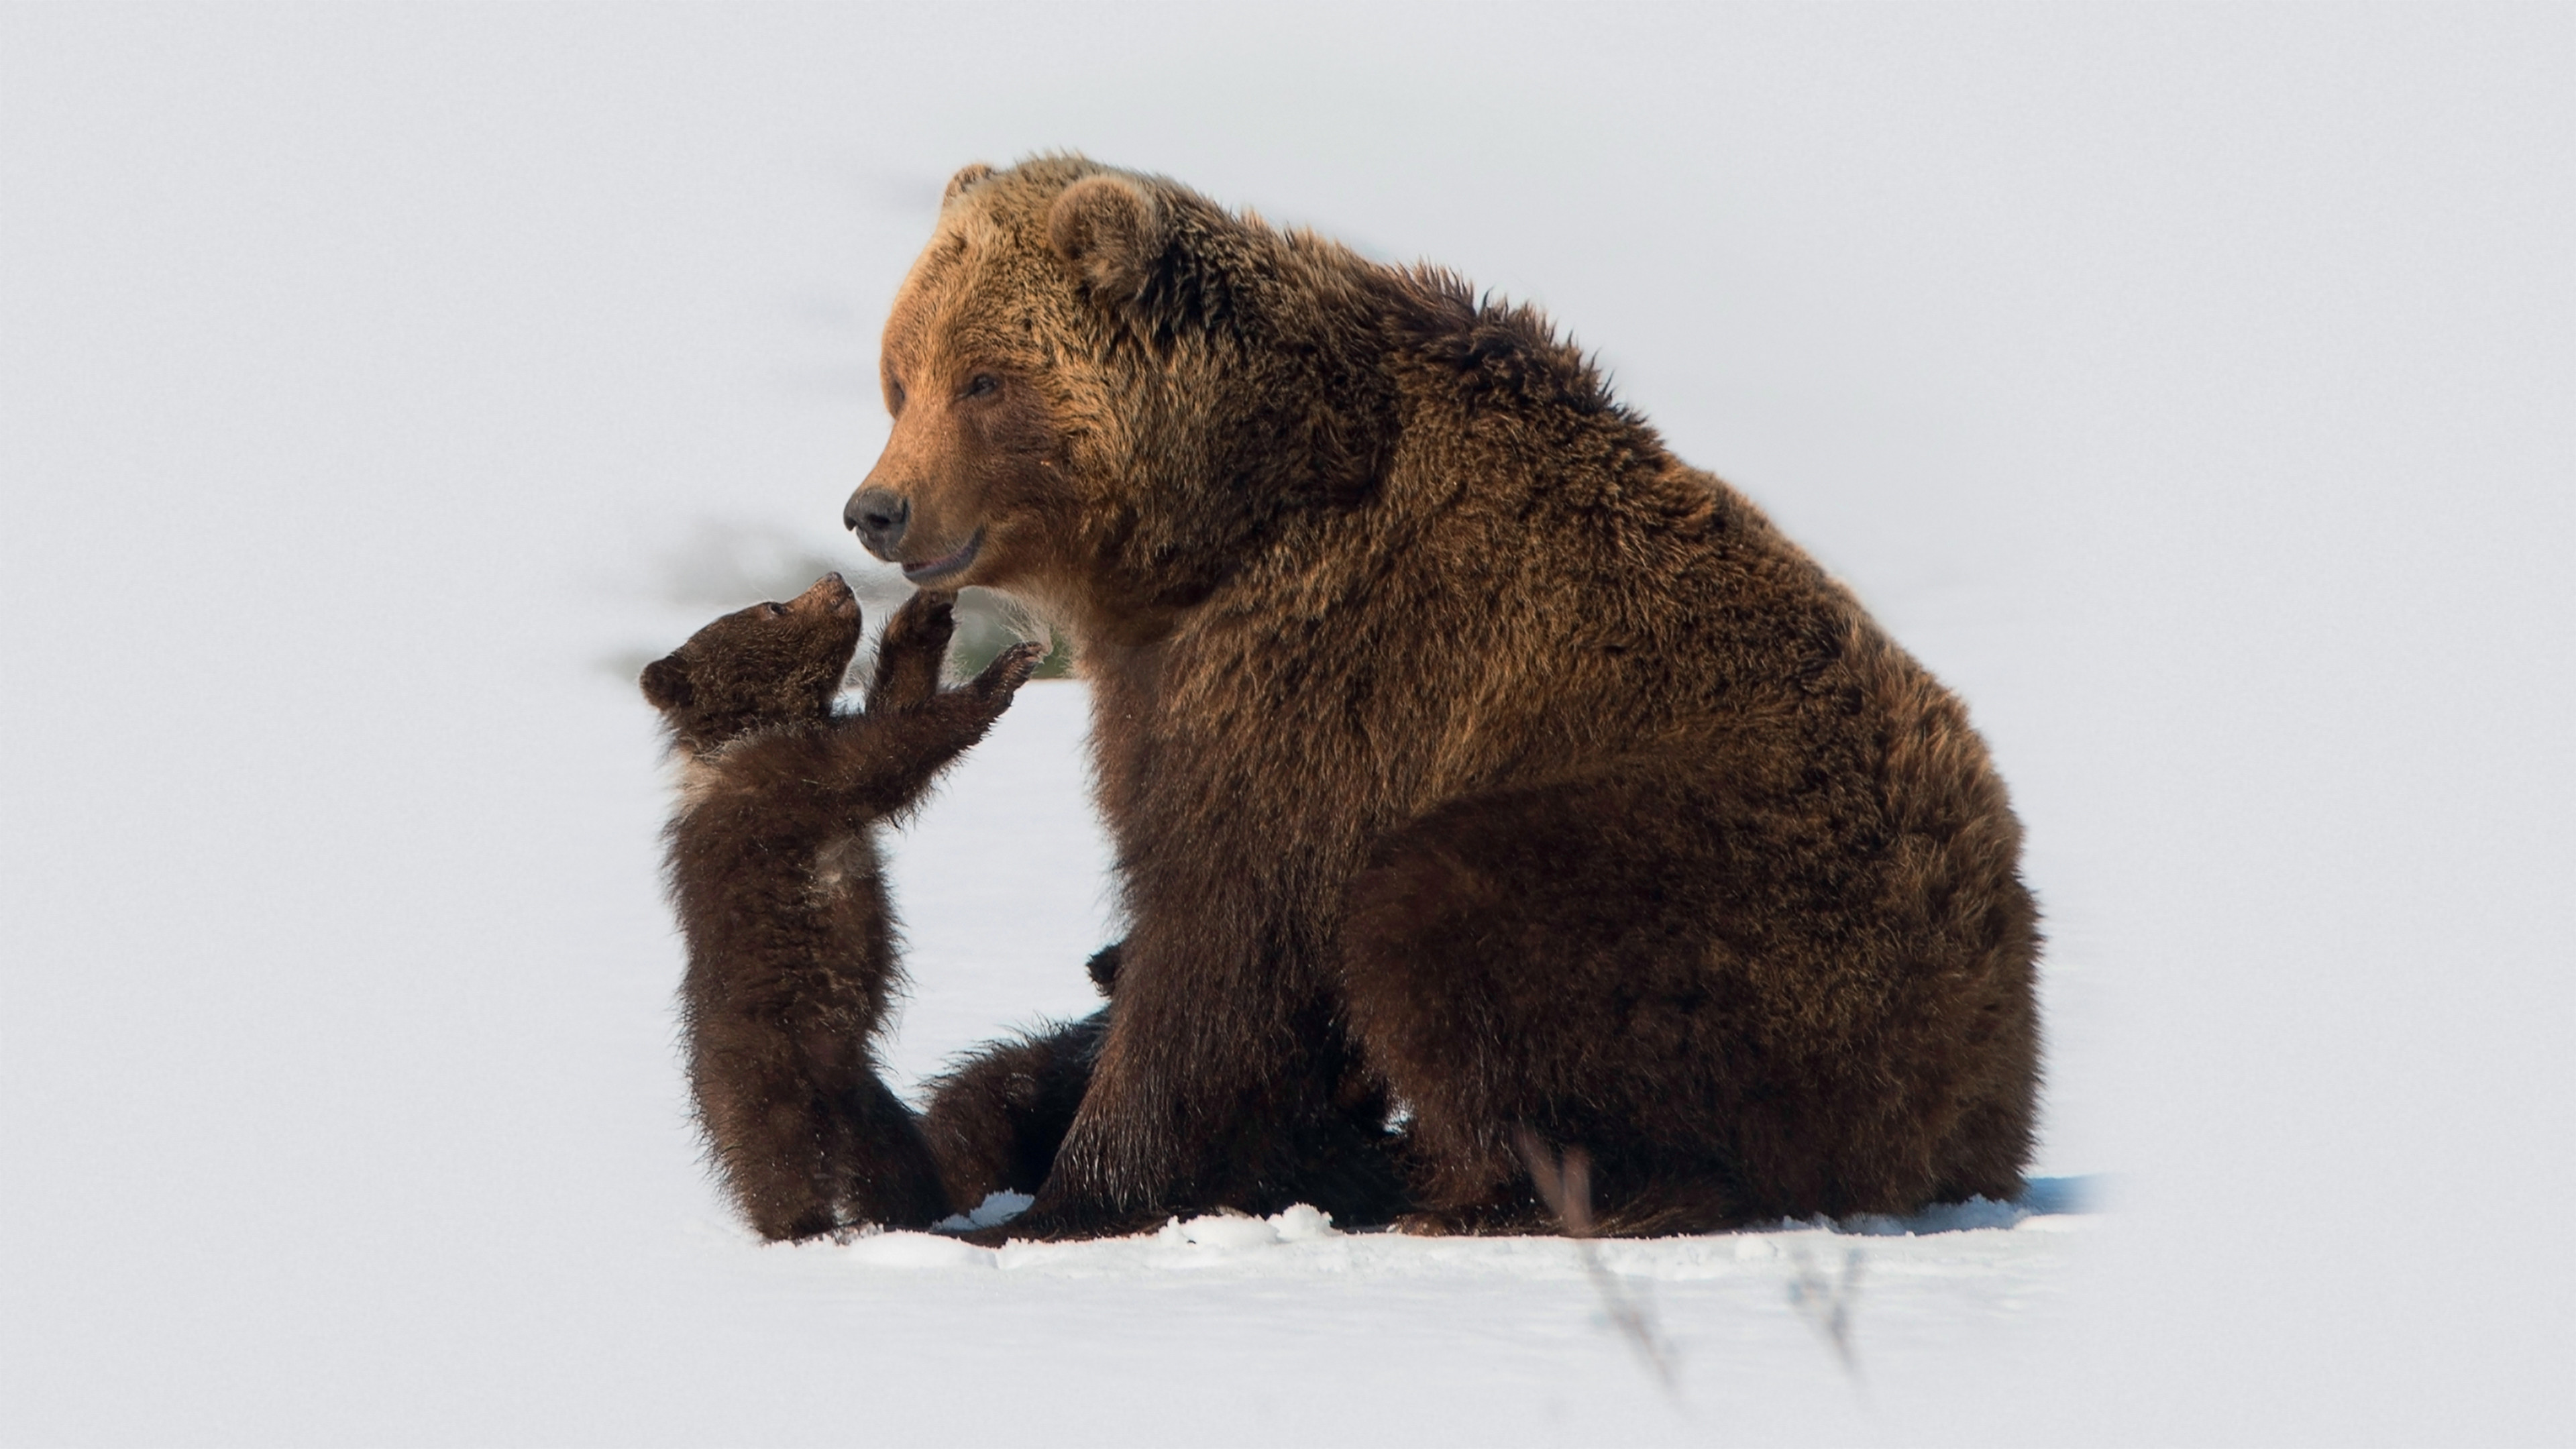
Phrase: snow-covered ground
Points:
(379, 386)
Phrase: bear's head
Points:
(1108, 393)
(757, 668)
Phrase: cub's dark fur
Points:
(777, 886)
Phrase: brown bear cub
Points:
(778, 891)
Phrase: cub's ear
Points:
(1112, 232)
(666, 684)
(966, 176)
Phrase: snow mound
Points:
(996, 1209)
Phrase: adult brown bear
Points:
(1468, 756)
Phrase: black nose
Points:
(877, 516)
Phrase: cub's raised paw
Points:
(1009, 670)
(912, 651)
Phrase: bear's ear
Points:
(1112, 232)
(966, 176)
(666, 684)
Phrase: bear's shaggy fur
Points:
(998, 1118)
(1467, 754)
(778, 891)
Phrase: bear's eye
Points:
(894, 396)
(776, 611)
(982, 384)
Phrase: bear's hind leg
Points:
(997, 1118)
(807, 1148)
(1557, 959)
(775, 1145)
(885, 1173)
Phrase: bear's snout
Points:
(830, 595)
(877, 516)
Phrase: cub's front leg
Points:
(876, 766)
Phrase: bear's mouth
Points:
(954, 563)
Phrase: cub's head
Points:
(755, 668)
(1106, 390)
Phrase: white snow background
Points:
(2190, 388)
